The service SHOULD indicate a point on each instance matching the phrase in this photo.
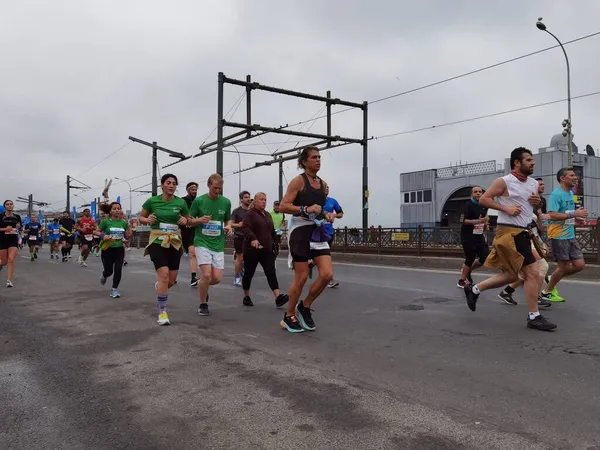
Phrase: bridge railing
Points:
(419, 241)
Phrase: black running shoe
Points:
(508, 299)
(281, 300)
(544, 302)
(194, 282)
(469, 277)
(471, 298)
(540, 323)
(203, 309)
(305, 317)
(291, 324)
(461, 284)
(247, 301)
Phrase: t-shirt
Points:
(33, 230)
(237, 216)
(53, 231)
(561, 201)
(211, 235)
(115, 229)
(67, 223)
(167, 213)
(331, 206)
(12, 221)
(188, 201)
(472, 211)
(278, 219)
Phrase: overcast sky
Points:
(79, 77)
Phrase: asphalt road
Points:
(398, 361)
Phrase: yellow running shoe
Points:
(163, 319)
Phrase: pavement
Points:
(398, 361)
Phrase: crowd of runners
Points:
(198, 225)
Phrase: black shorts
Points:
(165, 257)
(475, 249)
(187, 237)
(68, 239)
(523, 244)
(32, 242)
(300, 245)
(8, 241)
(84, 241)
(238, 243)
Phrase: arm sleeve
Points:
(338, 208)
(194, 210)
(184, 209)
(247, 227)
(147, 206)
(102, 226)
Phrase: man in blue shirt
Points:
(54, 238)
(333, 207)
(563, 215)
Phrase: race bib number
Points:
(62, 234)
(89, 237)
(212, 228)
(33, 238)
(166, 227)
(319, 245)
(116, 233)
(55, 232)
(478, 228)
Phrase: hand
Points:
(534, 199)
(106, 237)
(582, 213)
(330, 217)
(314, 209)
(514, 210)
(485, 219)
(151, 219)
(182, 221)
(580, 221)
(204, 220)
(8, 229)
(255, 243)
(228, 230)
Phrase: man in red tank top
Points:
(86, 226)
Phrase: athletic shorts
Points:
(238, 243)
(84, 241)
(165, 257)
(205, 256)
(187, 237)
(32, 242)
(475, 249)
(301, 247)
(523, 244)
(565, 250)
(8, 241)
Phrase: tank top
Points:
(518, 194)
(309, 195)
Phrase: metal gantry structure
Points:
(250, 130)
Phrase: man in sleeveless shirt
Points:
(514, 196)
(307, 239)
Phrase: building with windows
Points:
(434, 197)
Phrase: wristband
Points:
(570, 213)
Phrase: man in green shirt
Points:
(211, 214)
(279, 221)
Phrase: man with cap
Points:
(278, 221)
(188, 233)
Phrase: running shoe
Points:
(291, 324)
(194, 282)
(507, 298)
(305, 317)
(281, 300)
(333, 284)
(557, 296)
(237, 282)
(247, 301)
(471, 298)
(163, 318)
(102, 279)
(461, 284)
(32, 258)
(51, 256)
(35, 255)
(203, 309)
(551, 297)
(540, 323)
(544, 302)
(9, 284)
(114, 293)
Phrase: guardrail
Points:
(419, 241)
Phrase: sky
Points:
(80, 77)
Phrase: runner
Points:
(112, 230)
(279, 221)
(561, 231)
(237, 218)
(165, 213)
(67, 238)
(260, 246)
(86, 227)
(212, 214)
(10, 223)
(332, 207)
(54, 238)
(187, 233)
(307, 239)
(514, 196)
(33, 232)
(474, 222)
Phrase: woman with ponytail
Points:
(112, 230)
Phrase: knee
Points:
(163, 276)
(578, 265)
(326, 274)
(206, 277)
(215, 278)
(301, 278)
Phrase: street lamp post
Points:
(540, 25)
(239, 169)
(128, 184)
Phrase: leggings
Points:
(267, 261)
(113, 257)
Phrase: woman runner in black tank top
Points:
(305, 203)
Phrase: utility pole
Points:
(155, 149)
(280, 179)
(69, 187)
